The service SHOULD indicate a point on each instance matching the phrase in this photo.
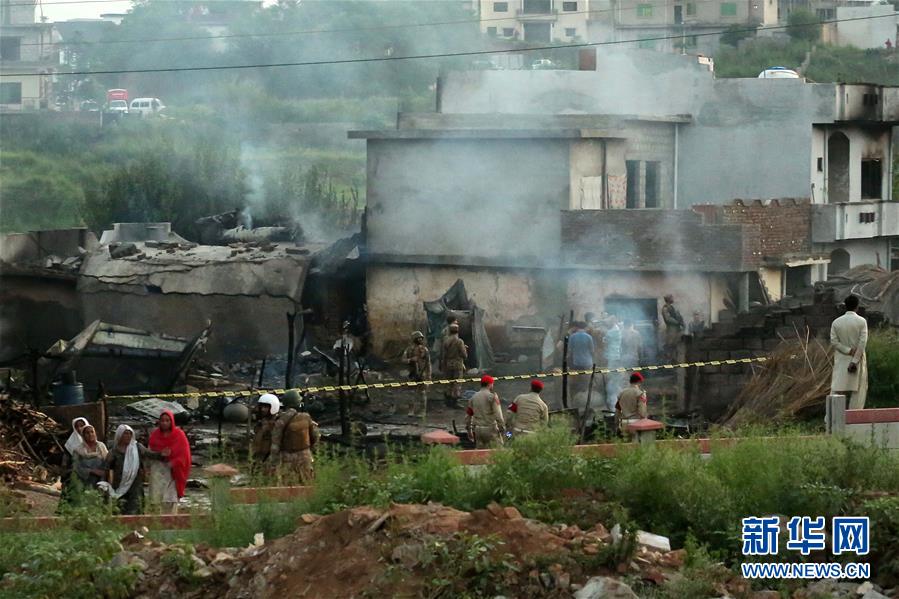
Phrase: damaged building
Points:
(153, 294)
(554, 190)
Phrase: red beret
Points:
(636, 377)
(487, 380)
(536, 385)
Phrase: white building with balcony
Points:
(540, 21)
(27, 57)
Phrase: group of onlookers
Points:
(120, 471)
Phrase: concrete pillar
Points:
(644, 431)
(835, 414)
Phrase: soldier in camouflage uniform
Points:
(452, 362)
(294, 435)
(418, 358)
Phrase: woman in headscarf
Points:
(126, 460)
(90, 458)
(72, 443)
(168, 478)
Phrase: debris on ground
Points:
(398, 551)
(795, 379)
(29, 441)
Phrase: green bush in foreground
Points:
(73, 561)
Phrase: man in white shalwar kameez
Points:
(848, 337)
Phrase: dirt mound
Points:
(352, 552)
(402, 551)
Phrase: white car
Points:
(779, 73)
(146, 106)
(118, 106)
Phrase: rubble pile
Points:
(28, 438)
(794, 379)
(352, 552)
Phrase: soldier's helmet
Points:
(417, 335)
(292, 399)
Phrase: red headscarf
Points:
(176, 441)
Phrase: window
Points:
(491, 31)
(644, 10)
(728, 9)
(867, 217)
(651, 193)
(508, 31)
(633, 183)
(870, 100)
(691, 9)
(569, 6)
(500, 7)
(10, 93)
(570, 32)
(872, 179)
(10, 48)
(820, 165)
(825, 14)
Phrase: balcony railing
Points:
(854, 220)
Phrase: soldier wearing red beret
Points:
(484, 417)
(528, 412)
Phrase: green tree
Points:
(804, 25)
(734, 34)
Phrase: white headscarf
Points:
(129, 468)
(75, 440)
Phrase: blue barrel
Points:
(68, 394)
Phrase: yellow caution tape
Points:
(402, 384)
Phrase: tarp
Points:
(471, 319)
(878, 289)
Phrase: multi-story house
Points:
(27, 57)
(690, 25)
(537, 20)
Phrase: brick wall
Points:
(656, 240)
(784, 225)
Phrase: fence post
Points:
(835, 415)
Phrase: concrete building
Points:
(828, 142)
(668, 26)
(540, 20)
(622, 20)
(27, 48)
(863, 32)
(484, 189)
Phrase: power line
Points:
(436, 55)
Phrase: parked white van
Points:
(146, 106)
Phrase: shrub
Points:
(883, 368)
(73, 561)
